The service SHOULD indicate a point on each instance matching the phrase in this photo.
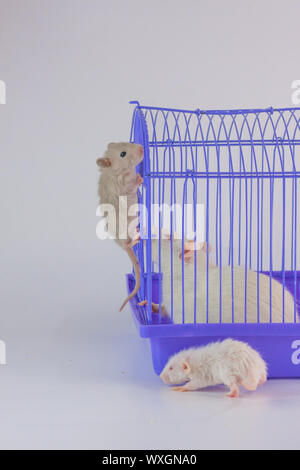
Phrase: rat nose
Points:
(164, 377)
(141, 150)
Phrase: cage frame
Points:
(279, 344)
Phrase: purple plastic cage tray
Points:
(279, 344)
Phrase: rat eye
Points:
(122, 154)
(171, 368)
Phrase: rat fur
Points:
(232, 363)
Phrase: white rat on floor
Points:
(119, 178)
(230, 362)
(212, 300)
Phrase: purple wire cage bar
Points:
(243, 167)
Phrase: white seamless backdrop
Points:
(77, 374)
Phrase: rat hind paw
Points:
(234, 391)
(262, 380)
(250, 385)
(155, 307)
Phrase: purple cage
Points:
(244, 167)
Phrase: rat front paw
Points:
(139, 179)
(234, 391)
(179, 389)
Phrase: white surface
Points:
(77, 374)
(97, 390)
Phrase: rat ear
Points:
(103, 162)
(186, 367)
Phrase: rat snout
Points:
(165, 378)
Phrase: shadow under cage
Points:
(219, 227)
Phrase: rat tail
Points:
(137, 273)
